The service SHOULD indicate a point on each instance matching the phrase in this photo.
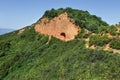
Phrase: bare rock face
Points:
(60, 27)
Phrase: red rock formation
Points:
(60, 27)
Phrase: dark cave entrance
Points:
(63, 34)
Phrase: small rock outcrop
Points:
(21, 31)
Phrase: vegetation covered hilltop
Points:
(93, 55)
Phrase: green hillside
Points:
(33, 56)
(82, 18)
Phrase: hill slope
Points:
(29, 55)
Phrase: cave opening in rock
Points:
(63, 34)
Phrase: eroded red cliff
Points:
(60, 27)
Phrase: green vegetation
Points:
(99, 40)
(82, 18)
(115, 43)
(108, 29)
(29, 55)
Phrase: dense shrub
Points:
(108, 29)
(115, 43)
(99, 40)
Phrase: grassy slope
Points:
(28, 57)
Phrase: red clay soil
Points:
(60, 27)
